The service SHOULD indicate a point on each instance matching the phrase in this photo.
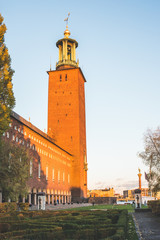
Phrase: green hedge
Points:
(8, 207)
(155, 206)
(111, 224)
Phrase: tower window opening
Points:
(66, 77)
(69, 52)
(60, 78)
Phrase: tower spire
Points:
(67, 50)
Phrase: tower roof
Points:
(67, 51)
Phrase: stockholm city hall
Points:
(58, 162)
(66, 111)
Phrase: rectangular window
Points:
(53, 174)
(60, 78)
(47, 173)
(66, 77)
(39, 169)
(58, 176)
(13, 138)
(31, 168)
(16, 139)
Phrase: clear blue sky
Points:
(119, 54)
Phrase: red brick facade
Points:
(54, 163)
(66, 121)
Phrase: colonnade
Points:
(52, 197)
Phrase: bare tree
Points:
(151, 158)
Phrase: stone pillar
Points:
(59, 198)
(23, 200)
(74, 52)
(49, 200)
(29, 199)
(35, 199)
(139, 176)
(60, 53)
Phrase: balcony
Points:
(67, 62)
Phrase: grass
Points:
(129, 208)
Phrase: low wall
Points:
(102, 200)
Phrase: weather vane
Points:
(66, 19)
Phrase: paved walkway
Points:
(148, 225)
(61, 206)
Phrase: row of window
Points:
(60, 77)
(32, 146)
(53, 173)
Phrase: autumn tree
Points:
(7, 100)
(151, 158)
(14, 171)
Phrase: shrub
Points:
(155, 206)
(8, 207)
(4, 227)
(23, 206)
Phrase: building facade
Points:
(58, 162)
(66, 112)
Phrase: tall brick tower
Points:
(66, 112)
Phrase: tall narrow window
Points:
(60, 78)
(39, 169)
(69, 52)
(58, 176)
(31, 168)
(47, 173)
(53, 174)
(66, 77)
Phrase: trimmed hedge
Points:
(110, 224)
(155, 206)
(8, 207)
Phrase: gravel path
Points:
(148, 225)
(61, 206)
